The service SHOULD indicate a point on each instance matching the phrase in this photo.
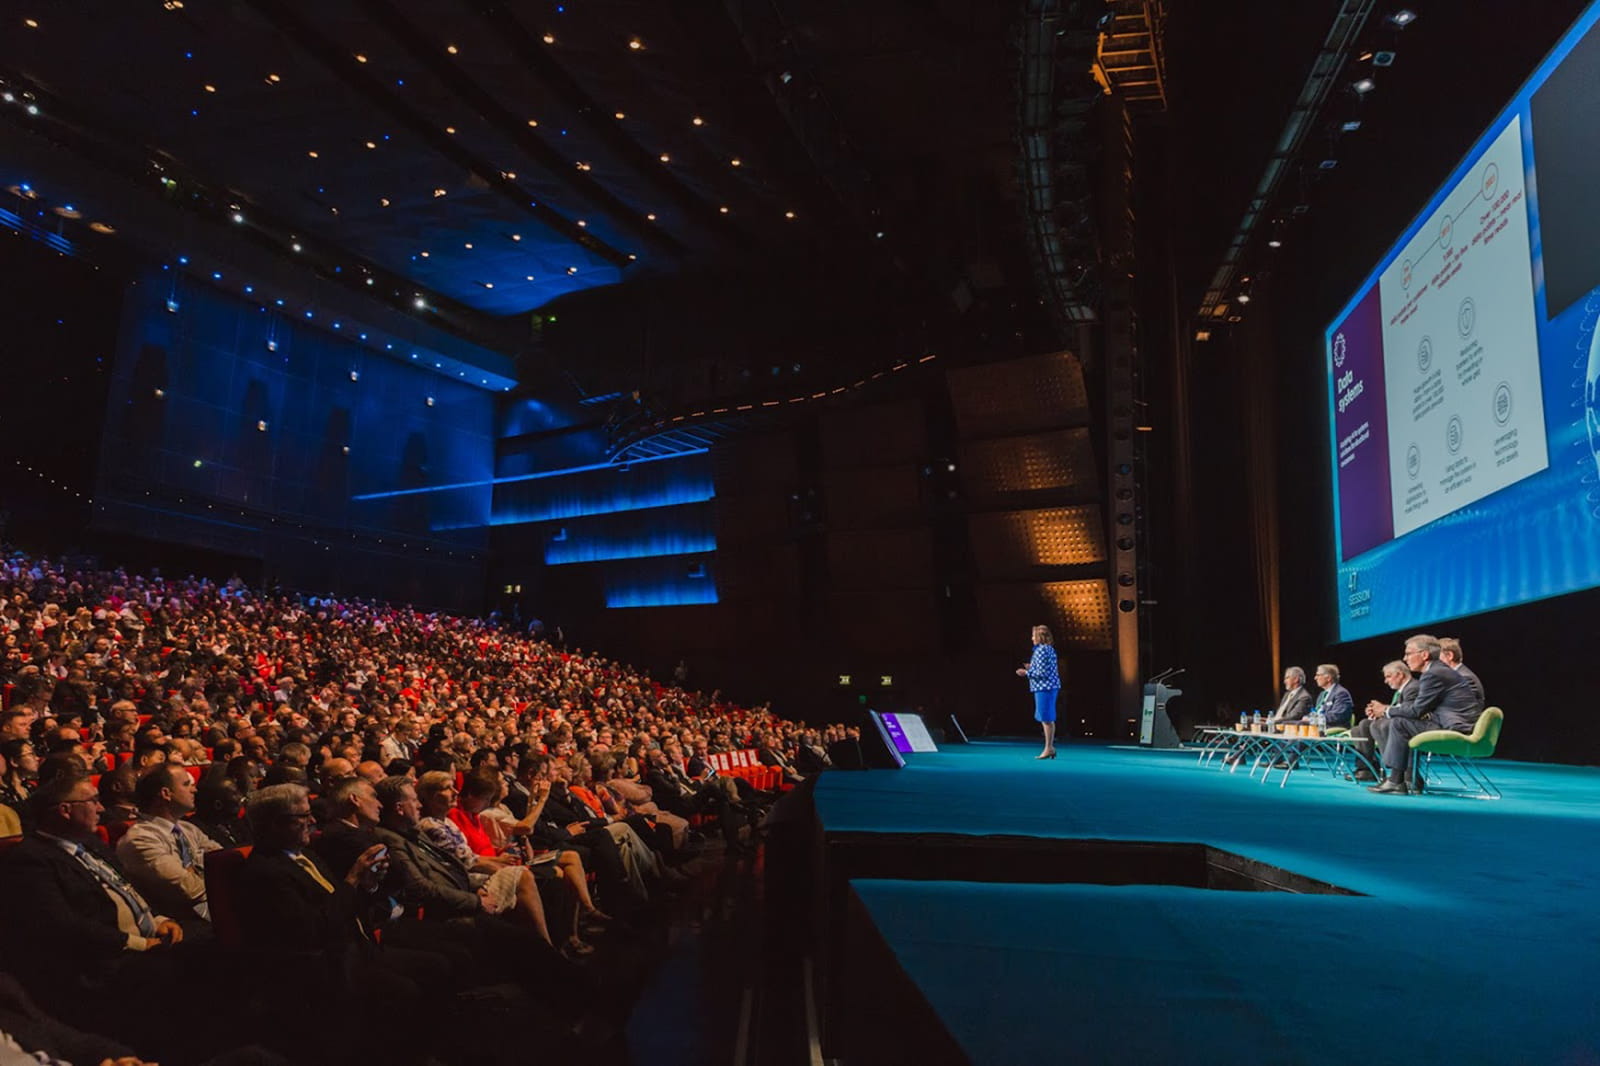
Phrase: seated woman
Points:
(506, 885)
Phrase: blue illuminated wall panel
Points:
(222, 412)
(663, 582)
(668, 483)
(683, 530)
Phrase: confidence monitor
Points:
(908, 732)
(1464, 375)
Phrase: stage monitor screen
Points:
(889, 754)
(908, 733)
(1462, 375)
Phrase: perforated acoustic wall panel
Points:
(1012, 542)
(1060, 460)
(1077, 612)
(1019, 396)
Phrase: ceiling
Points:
(499, 155)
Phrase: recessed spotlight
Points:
(582, 223)
(549, 38)
(372, 144)
(430, 401)
(450, 130)
(102, 227)
(452, 49)
(636, 44)
(211, 88)
(723, 209)
(237, 216)
(533, 122)
(420, 304)
(488, 284)
(425, 254)
(468, 246)
(438, 193)
(1351, 125)
(572, 270)
(383, 201)
(1274, 243)
(516, 236)
(1243, 297)
(735, 162)
(665, 158)
(1363, 86)
(788, 214)
(273, 79)
(530, 277)
(313, 155)
(620, 116)
(261, 426)
(698, 121)
(297, 246)
(1404, 17)
(32, 24)
(650, 218)
(360, 58)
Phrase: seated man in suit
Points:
(93, 947)
(1334, 701)
(1296, 702)
(164, 853)
(1444, 700)
(1450, 654)
(1369, 733)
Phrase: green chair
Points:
(1457, 752)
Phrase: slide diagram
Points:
(1436, 369)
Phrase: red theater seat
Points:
(222, 877)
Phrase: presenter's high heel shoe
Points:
(1045, 755)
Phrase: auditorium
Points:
(798, 532)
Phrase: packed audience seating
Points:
(342, 830)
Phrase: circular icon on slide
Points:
(1446, 228)
(1405, 274)
(1425, 354)
(1338, 349)
(1452, 434)
(1413, 461)
(1502, 403)
(1466, 317)
(1491, 180)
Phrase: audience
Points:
(412, 894)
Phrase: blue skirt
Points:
(1044, 705)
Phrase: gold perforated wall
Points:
(1006, 542)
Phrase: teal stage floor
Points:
(1476, 939)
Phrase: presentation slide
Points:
(908, 732)
(1462, 376)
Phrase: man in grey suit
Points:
(1296, 702)
(1444, 700)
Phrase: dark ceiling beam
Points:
(424, 48)
(522, 43)
(292, 25)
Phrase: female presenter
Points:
(1044, 681)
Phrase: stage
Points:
(1413, 929)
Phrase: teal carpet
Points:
(1477, 940)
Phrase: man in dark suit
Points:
(1450, 655)
(97, 954)
(1370, 732)
(1444, 700)
(1334, 701)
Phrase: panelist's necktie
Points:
(304, 862)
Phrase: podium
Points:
(1155, 728)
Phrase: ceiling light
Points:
(452, 49)
(621, 116)
(372, 144)
(32, 24)
(698, 121)
(360, 58)
(1404, 17)
(788, 214)
(665, 158)
(650, 218)
(450, 130)
(516, 236)
(438, 193)
(420, 304)
(273, 79)
(1383, 59)
(533, 122)
(572, 270)
(313, 155)
(425, 255)
(723, 209)
(549, 38)
(509, 175)
(237, 216)
(383, 201)
(172, 5)
(102, 227)
(1363, 86)
(581, 222)
(530, 277)
(1327, 164)
(488, 284)
(632, 256)
(296, 246)
(636, 44)
(1243, 297)
(1274, 243)
(735, 162)
(211, 88)
(1351, 125)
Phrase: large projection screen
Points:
(1465, 441)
